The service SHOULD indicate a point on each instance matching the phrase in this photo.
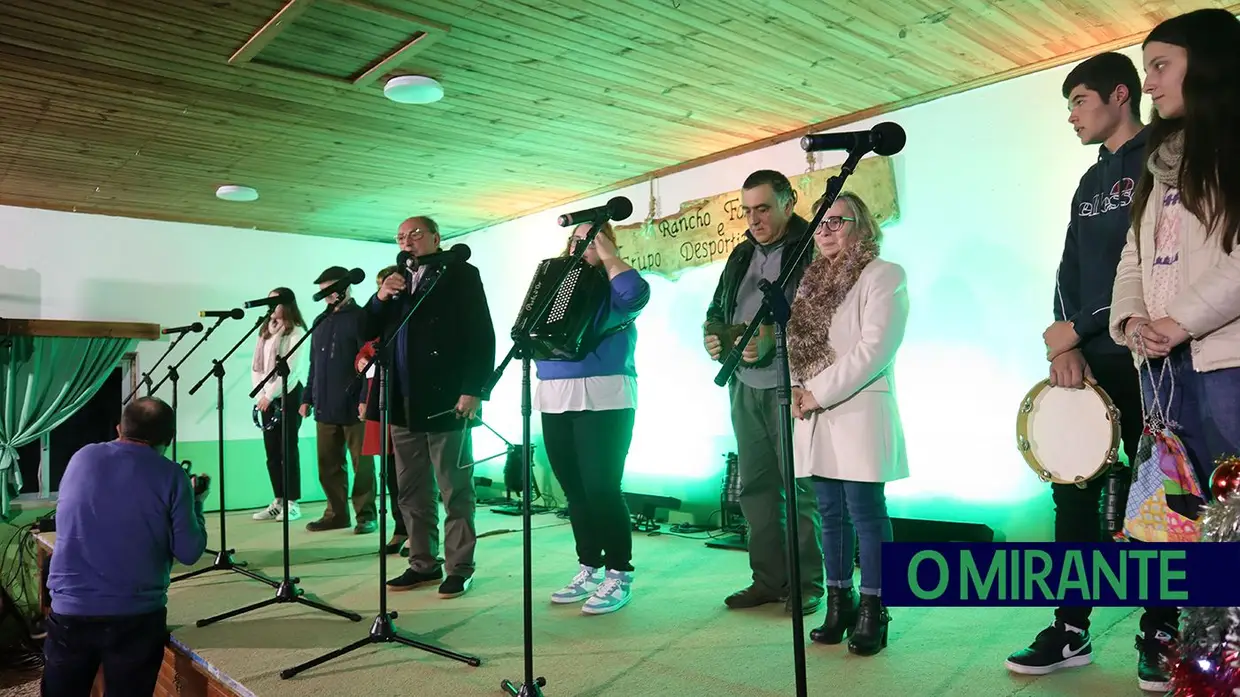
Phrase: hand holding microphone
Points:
(392, 286)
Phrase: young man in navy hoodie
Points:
(1104, 98)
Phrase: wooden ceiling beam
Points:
(269, 31)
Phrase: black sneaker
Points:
(1057, 646)
(412, 579)
(454, 586)
(1154, 651)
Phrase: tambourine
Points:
(266, 421)
(1068, 436)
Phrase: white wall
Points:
(984, 186)
(89, 267)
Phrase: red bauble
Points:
(1191, 678)
(1225, 482)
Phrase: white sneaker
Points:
(270, 512)
(582, 586)
(612, 594)
(294, 511)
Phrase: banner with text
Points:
(1053, 574)
(705, 230)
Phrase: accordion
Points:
(568, 332)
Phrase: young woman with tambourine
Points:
(281, 332)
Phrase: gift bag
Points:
(1165, 499)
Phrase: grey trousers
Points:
(427, 463)
(755, 414)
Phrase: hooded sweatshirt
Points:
(1097, 231)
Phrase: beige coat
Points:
(1208, 303)
(859, 437)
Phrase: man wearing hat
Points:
(333, 394)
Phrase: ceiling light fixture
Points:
(232, 192)
(413, 89)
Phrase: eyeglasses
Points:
(835, 222)
(414, 235)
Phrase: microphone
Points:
(355, 276)
(235, 313)
(884, 139)
(618, 208)
(268, 301)
(457, 255)
(195, 327)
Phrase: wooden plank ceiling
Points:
(132, 107)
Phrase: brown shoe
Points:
(752, 596)
(326, 524)
(809, 604)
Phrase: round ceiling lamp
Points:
(232, 192)
(413, 89)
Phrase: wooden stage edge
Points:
(183, 673)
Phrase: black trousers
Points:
(1078, 512)
(272, 439)
(129, 648)
(587, 451)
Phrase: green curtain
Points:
(46, 380)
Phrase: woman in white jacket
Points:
(282, 331)
(1176, 300)
(847, 323)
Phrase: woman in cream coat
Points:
(847, 323)
(1176, 301)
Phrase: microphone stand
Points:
(382, 631)
(146, 377)
(174, 376)
(287, 590)
(775, 306)
(522, 346)
(223, 558)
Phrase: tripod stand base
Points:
(224, 562)
(533, 689)
(381, 632)
(286, 592)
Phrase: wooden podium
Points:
(75, 329)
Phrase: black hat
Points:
(332, 274)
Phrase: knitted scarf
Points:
(275, 333)
(1164, 163)
(819, 295)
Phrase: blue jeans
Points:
(843, 505)
(1204, 409)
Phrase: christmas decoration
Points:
(1225, 482)
(1208, 661)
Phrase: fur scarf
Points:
(819, 295)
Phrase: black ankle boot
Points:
(841, 615)
(870, 635)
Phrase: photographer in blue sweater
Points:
(124, 513)
(588, 409)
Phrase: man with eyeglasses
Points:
(768, 200)
(442, 359)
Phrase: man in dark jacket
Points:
(334, 393)
(1104, 96)
(441, 361)
(774, 232)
